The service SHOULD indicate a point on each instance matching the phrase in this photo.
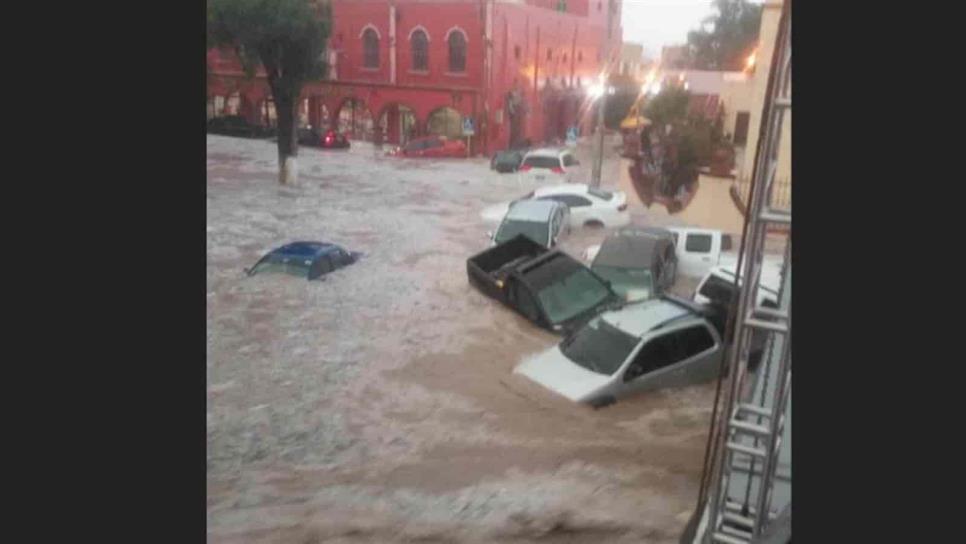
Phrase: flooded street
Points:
(379, 404)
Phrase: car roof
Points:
(547, 152)
(625, 251)
(566, 188)
(640, 318)
(305, 249)
(532, 210)
(770, 275)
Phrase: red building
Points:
(519, 68)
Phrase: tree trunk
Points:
(285, 108)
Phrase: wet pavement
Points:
(378, 405)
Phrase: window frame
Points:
(419, 50)
(370, 46)
(690, 235)
(451, 66)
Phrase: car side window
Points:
(698, 243)
(695, 340)
(658, 353)
(569, 160)
(726, 243)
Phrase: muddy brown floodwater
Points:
(379, 405)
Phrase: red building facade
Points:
(403, 68)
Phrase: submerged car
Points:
(308, 260)
(542, 222)
(588, 206)
(659, 343)
(328, 139)
(431, 147)
(236, 125)
(508, 160)
(638, 263)
(548, 287)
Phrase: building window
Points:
(457, 51)
(516, 52)
(370, 48)
(420, 45)
(549, 54)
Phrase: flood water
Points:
(379, 404)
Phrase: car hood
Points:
(559, 374)
(495, 213)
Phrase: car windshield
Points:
(572, 295)
(630, 283)
(537, 231)
(542, 162)
(295, 267)
(599, 346)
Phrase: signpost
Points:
(468, 130)
(572, 137)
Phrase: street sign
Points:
(572, 136)
(468, 128)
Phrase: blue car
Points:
(305, 259)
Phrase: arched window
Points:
(420, 46)
(457, 51)
(370, 48)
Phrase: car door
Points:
(678, 357)
(697, 252)
(581, 209)
(522, 301)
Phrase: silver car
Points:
(641, 347)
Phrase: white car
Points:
(588, 206)
(548, 165)
(642, 347)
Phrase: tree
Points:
(287, 38)
(668, 107)
(726, 38)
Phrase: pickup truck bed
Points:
(487, 268)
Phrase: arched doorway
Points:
(233, 104)
(398, 123)
(355, 120)
(445, 122)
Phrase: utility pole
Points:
(602, 101)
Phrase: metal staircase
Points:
(751, 430)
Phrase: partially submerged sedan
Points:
(666, 342)
(308, 260)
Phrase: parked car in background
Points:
(238, 126)
(639, 265)
(507, 161)
(549, 165)
(548, 287)
(309, 260)
(326, 139)
(541, 221)
(659, 343)
(431, 146)
(588, 206)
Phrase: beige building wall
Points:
(771, 14)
